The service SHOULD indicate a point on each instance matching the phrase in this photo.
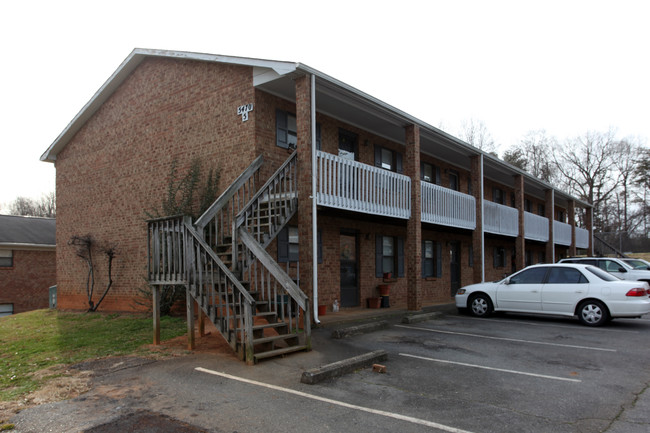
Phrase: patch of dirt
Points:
(69, 383)
(74, 380)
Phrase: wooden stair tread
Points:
(278, 352)
(274, 338)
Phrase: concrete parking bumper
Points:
(340, 368)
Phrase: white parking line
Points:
(543, 376)
(506, 339)
(538, 324)
(335, 402)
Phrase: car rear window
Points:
(602, 274)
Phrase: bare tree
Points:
(45, 207)
(587, 166)
(532, 154)
(475, 132)
(625, 163)
(84, 247)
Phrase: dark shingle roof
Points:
(27, 230)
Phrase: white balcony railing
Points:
(500, 219)
(447, 207)
(561, 233)
(351, 185)
(582, 238)
(535, 227)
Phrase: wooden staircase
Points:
(222, 261)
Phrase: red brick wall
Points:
(27, 283)
(117, 166)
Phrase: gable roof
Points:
(275, 68)
(22, 231)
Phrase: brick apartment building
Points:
(368, 189)
(27, 263)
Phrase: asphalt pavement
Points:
(212, 391)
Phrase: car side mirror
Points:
(506, 281)
(621, 269)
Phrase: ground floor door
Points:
(349, 278)
(454, 266)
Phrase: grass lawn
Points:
(34, 341)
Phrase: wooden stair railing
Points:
(249, 298)
(178, 255)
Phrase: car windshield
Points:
(602, 274)
(637, 264)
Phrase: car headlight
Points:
(460, 292)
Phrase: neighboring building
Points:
(27, 263)
(392, 194)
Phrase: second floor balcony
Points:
(354, 186)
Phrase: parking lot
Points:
(456, 373)
(511, 372)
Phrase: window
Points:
(289, 246)
(429, 173)
(529, 276)
(528, 206)
(470, 256)
(431, 259)
(499, 257)
(541, 257)
(6, 259)
(389, 255)
(497, 195)
(470, 190)
(6, 309)
(560, 216)
(388, 159)
(609, 265)
(541, 210)
(566, 276)
(529, 257)
(454, 182)
(286, 135)
(286, 130)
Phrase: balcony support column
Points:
(520, 242)
(478, 236)
(572, 222)
(589, 217)
(414, 224)
(550, 212)
(305, 211)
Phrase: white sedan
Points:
(559, 289)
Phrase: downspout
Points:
(314, 220)
(482, 223)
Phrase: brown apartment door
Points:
(454, 266)
(349, 279)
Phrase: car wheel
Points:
(593, 313)
(480, 305)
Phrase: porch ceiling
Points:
(351, 106)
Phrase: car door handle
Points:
(534, 291)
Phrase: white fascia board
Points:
(25, 247)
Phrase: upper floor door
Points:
(348, 142)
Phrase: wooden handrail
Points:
(228, 193)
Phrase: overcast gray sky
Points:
(565, 66)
